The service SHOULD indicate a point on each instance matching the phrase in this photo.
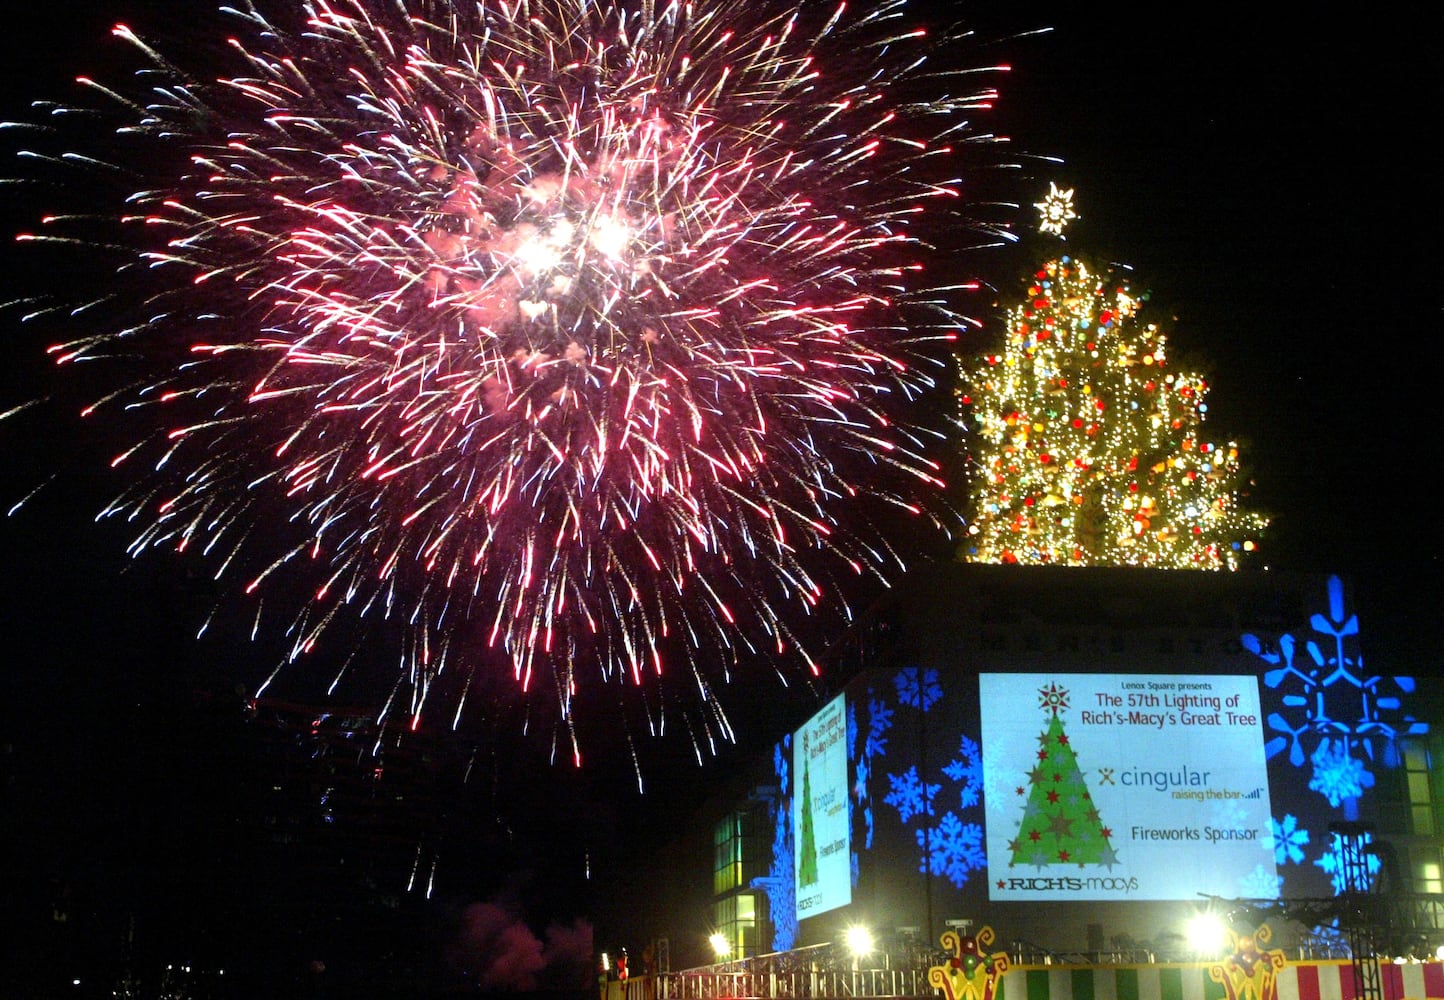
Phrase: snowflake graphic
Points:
(918, 691)
(1332, 862)
(968, 771)
(1328, 694)
(780, 762)
(1339, 777)
(778, 882)
(1230, 813)
(910, 795)
(1329, 941)
(879, 718)
(873, 744)
(1332, 714)
(951, 849)
(1261, 883)
(1287, 839)
(855, 801)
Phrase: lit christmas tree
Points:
(1085, 449)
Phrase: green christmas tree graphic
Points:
(807, 849)
(1060, 822)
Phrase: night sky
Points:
(1262, 174)
(1264, 178)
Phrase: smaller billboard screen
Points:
(1114, 786)
(820, 821)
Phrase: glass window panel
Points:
(1416, 757)
(1423, 820)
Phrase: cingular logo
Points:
(1163, 781)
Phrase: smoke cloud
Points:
(496, 950)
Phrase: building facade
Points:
(1087, 759)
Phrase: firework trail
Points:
(570, 335)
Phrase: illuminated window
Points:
(1414, 808)
(741, 843)
(735, 918)
(1427, 875)
(738, 851)
(1419, 790)
(748, 942)
(727, 854)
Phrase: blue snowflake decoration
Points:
(1288, 839)
(951, 849)
(874, 744)
(778, 882)
(1261, 883)
(855, 801)
(879, 718)
(917, 690)
(1339, 777)
(1332, 862)
(910, 795)
(967, 770)
(1329, 941)
(1229, 814)
(1328, 695)
(861, 792)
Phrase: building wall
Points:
(1331, 735)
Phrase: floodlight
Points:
(859, 941)
(1207, 934)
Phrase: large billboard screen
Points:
(820, 822)
(1116, 786)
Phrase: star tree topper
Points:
(1053, 698)
(1056, 210)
